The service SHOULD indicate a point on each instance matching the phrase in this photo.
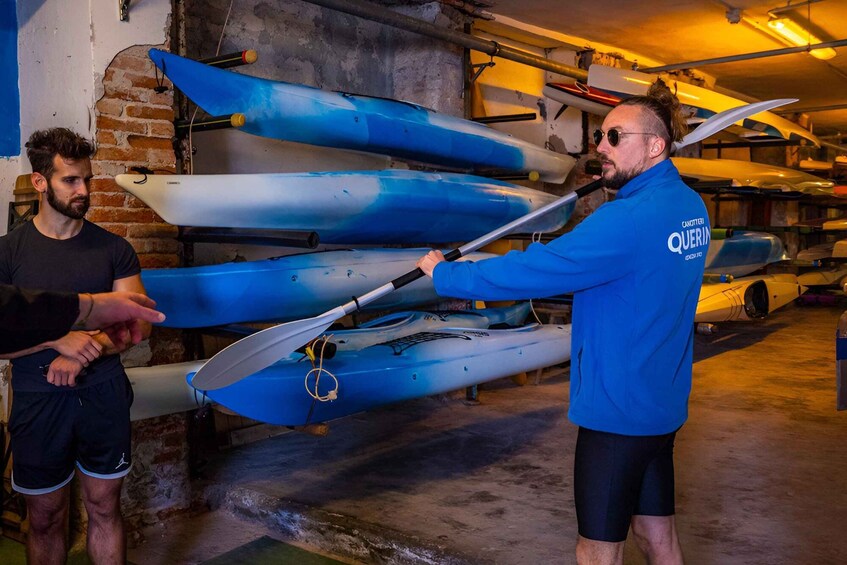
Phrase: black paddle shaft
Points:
(417, 273)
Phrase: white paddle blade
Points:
(259, 350)
(726, 118)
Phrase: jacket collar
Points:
(657, 173)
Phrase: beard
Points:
(618, 177)
(76, 208)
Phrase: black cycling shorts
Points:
(618, 476)
(52, 432)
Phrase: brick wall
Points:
(135, 128)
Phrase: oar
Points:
(261, 349)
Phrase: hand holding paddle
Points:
(261, 349)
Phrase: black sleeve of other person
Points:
(28, 318)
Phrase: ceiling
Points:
(675, 31)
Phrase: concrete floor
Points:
(761, 469)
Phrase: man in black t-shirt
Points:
(70, 410)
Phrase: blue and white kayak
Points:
(285, 288)
(162, 389)
(414, 366)
(391, 206)
(743, 253)
(304, 114)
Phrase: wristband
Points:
(84, 320)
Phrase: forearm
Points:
(25, 352)
(34, 349)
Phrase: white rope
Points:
(318, 371)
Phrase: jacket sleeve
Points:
(599, 250)
(28, 318)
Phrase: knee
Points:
(583, 554)
(643, 537)
(46, 520)
(653, 534)
(103, 509)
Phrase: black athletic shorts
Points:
(618, 476)
(54, 431)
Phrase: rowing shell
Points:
(582, 97)
(625, 83)
(758, 175)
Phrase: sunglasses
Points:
(614, 135)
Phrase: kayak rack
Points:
(527, 117)
(285, 238)
(236, 120)
(229, 60)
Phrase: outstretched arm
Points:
(118, 337)
(31, 320)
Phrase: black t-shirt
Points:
(88, 262)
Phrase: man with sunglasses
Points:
(635, 267)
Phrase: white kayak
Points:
(758, 175)
(361, 207)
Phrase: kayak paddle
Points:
(263, 348)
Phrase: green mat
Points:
(269, 550)
(258, 552)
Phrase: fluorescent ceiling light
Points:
(797, 35)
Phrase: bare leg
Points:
(47, 542)
(657, 538)
(106, 535)
(592, 552)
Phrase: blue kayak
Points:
(743, 253)
(285, 288)
(294, 112)
(162, 389)
(360, 207)
(410, 367)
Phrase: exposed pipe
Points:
(742, 57)
(834, 146)
(791, 7)
(813, 109)
(380, 14)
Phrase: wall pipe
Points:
(742, 57)
(812, 109)
(379, 14)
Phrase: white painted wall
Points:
(62, 56)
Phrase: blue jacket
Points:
(635, 267)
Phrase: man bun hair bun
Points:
(677, 128)
(663, 105)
